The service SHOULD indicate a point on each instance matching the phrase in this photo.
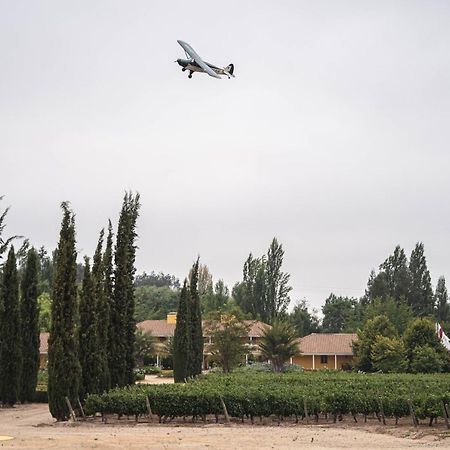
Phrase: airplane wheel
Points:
(183, 69)
(189, 76)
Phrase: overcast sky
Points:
(334, 135)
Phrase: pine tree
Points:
(29, 315)
(123, 323)
(64, 370)
(102, 315)
(421, 293)
(89, 344)
(182, 337)
(195, 363)
(10, 333)
(441, 301)
(108, 289)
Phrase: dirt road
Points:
(33, 428)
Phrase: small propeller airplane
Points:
(196, 64)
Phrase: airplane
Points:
(196, 64)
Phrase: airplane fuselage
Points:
(186, 64)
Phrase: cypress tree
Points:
(195, 363)
(10, 333)
(123, 323)
(441, 301)
(89, 348)
(29, 315)
(64, 370)
(421, 293)
(101, 314)
(182, 337)
(108, 289)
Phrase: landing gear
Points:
(183, 69)
(190, 74)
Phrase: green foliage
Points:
(389, 355)
(278, 344)
(421, 293)
(267, 394)
(421, 332)
(362, 348)
(4, 242)
(64, 370)
(45, 312)
(30, 327)
(154, 302)
(182, 337)
(425, 359)
(123, 323)
(91, 368)
(215, 300)
(340, 314)
(441, 301)
(101, 314)
(157, 280)
(195, 362)
(144, 346)
(10, 333)
(264, 291)
(227, 348)
(303, 321)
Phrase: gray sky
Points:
(333, 136)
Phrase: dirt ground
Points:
(33, 428)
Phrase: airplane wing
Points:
(193, 54)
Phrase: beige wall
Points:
(306, 361)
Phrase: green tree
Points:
(64, 370)
(441, 301)
(303, 320)
(157, 280)
(108, 291)
(10, 333)
(389, 355)
(398, 312)
(4, 242)
(362, 348)
(101, 314)
(340, 314)
(227, 348)
(195, 362)
(215, 300)
(421, 293)
(29, 316)
(278, 344)
(123, 322)
(421, 332)
(144, 347)
(89, 344)
(45, 312)
(425, 359)
(154, 302)
(182, 337)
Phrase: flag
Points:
(445, 341)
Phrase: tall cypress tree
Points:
(10, 333)
(101, 314)
(29, 315)
(421, 293)
(64, 370)
(108, 290)
(441, 301)
(182, 337)
(123, 323)
(196, 359)
(89, 345)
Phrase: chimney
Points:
(172, 318)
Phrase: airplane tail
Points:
(229, 69)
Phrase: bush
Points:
(425, 359)
(139, 374)
(151, 370)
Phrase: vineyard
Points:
(298, 396)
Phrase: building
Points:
(163, 330)
(43, 350)
(326, 351)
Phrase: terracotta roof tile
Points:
(327, 343)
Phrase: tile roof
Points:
(160, 328)
(327, 343)
(43, 343)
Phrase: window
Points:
(323, 359)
